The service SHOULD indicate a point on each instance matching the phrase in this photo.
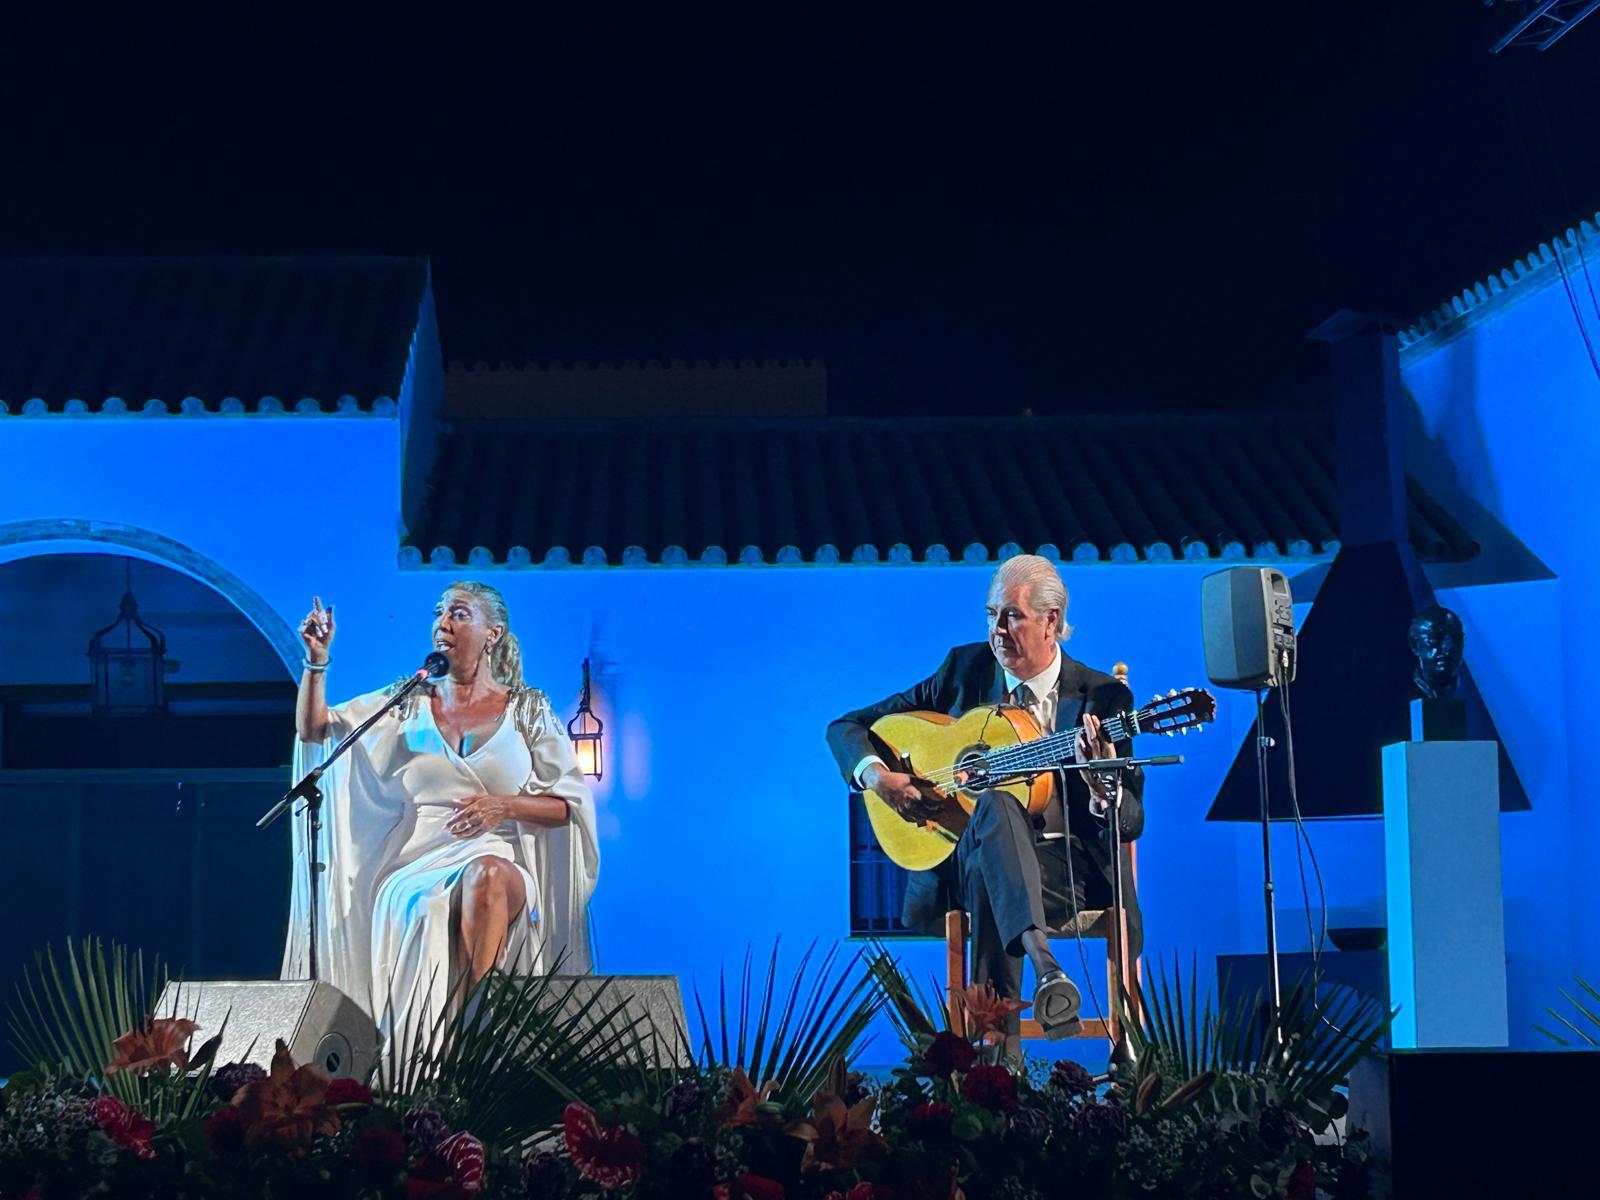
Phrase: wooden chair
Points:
(1123, 970)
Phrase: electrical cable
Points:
(1318, 942)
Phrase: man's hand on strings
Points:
(902, 792)
(1092, 742)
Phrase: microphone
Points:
(435, 666)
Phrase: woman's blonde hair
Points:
(505, 656)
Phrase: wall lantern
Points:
(587, 732)
(127, 661)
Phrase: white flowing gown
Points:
(389, 887)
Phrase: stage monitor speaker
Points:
(1247, 615)
(648, 1003)
(318, 1022)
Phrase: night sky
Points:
(1133, 210)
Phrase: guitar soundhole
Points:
(971, 760)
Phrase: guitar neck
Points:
(1047, 751)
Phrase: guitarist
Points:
(1010, 877)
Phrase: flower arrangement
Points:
(770, 1111)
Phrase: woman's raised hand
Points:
(316, 631)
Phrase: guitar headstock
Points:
(1177, 712)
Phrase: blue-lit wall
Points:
(1506, 432)
(722, 814)
(723, 819)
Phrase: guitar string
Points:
(1026, 755)
(1036, 754)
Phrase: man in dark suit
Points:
(1014, 874)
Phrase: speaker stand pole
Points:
(1274, 983)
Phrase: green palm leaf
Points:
(1584, 1024)
(506, 1058)
(1322, 1034)
(796, 1045)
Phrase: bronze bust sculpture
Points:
(1437, 640)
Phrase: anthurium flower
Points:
(289, 1107)
(612, 1157)
(159, 1044)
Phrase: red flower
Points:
(991, 1087)
(380, 1152)
(344, 1090)
(749, 1187)
(464, 1153)
(949, 1052)
(613, 1158)
(929, 1120)
(1302, 1183)
(289, 1107)
(225, 1132)
(124, 1126)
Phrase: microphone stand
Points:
(309, 791)
(1120, 1051)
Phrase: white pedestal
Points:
(1447, 936)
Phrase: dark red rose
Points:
(613, 1158)
(225, 1130)
(990, 1087)
(749, 1187)
(948, 1053)
(929, 1120)
(124, 1126)
(348, 1091)
(1302, 1183)
(379, 1152)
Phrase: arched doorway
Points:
(139, 826)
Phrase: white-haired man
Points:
(1010, 875)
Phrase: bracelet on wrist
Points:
(311, 666)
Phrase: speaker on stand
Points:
(1247, 619)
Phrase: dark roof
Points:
(1118, 487)
(75, 332)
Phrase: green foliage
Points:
(517, 1049)
(802, 1044)
(914, 1018)
(1317, 1042)
(1584, 1026)
(69, 1013)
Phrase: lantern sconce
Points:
(127, 661)
(587, 732)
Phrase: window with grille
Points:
(877, 886)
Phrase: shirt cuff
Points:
(861, 767)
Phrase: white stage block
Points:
(1447, 934)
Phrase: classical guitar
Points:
(998, 746)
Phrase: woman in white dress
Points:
(458, 833)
